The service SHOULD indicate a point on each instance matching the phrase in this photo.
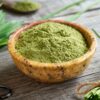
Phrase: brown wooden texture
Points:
(27, 89)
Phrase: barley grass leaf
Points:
(3, 41)
(78, 14)
(6, 28)
(62, 9)
(96, 33)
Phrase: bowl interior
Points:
(88, 35)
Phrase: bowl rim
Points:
(14, 53)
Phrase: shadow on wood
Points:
(22, 85)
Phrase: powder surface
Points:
(26, 6)
(51, 42)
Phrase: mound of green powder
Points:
(51, 42)
(25, 6)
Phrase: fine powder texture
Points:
(51, 42)
(25, 6)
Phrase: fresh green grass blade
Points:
(74, 17)
(98, 94)
(62, 9)
(2, 18)
(6, 28)
(97, 34)
(94, 94)
(10, 27)
(77, 15)
(3, 42)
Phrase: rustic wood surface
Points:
(27, 89)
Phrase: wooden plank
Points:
(27, 89)
(49, 6)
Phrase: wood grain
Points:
(27, 89)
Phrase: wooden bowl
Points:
(53, 72)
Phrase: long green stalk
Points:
(62, 9)
(3, 41)
(97, 34)
(6, 28)
(77, 15)
(94, 94)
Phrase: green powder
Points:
(51, 42)
(26, 6)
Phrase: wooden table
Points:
(26, 89)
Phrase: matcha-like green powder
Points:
(25, 6)
(51, 42)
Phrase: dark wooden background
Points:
(26, 89)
